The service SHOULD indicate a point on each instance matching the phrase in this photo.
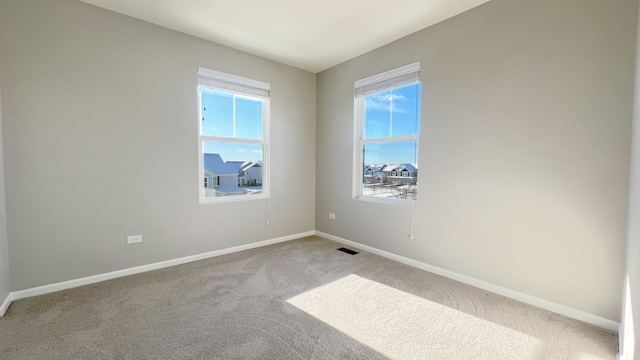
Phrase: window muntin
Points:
(387, 122)
(233, 135)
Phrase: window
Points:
(387, 124)
(233, 125)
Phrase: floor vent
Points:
(348, 251)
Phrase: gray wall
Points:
(4, 241)
(524, 149)
(633, 240)
(100, 116)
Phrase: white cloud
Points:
(383, 102)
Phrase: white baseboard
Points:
(5, 304)
(46, 289)
(627, 331)
(528, 299)
(544, 304)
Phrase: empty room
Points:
(203, 179)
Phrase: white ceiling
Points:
(307, 34)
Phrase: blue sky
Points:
(217, 111)
(392, 113)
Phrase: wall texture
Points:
(100, 116)
(5, 288)
(524, 149)
(631, 326)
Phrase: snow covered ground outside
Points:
(390, 191)
(231, 191)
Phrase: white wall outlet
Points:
(133, 239)
(332, 216)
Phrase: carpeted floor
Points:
(300, 299)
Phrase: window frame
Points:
(359, 141)
(240, 87)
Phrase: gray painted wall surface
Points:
(524, 150)
(100, 115)
(633, 240)
(5, 287)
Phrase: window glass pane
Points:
(393, 113)
(406, 114)
(390, 170)
(391, 153)
(248, 118)
(234, 169)
(217, 113)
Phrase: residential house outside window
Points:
(233, 125)
(387, 123)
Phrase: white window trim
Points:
(242, 87)
(226, 81)
(403, 70)
(358, 131)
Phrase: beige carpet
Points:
(300, 299)
(404, 326)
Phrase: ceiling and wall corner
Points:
(310, 35)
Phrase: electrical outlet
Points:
(332, 216)
(133, 239)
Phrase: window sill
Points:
(232, 198)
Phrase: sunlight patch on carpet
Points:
(404, 326)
